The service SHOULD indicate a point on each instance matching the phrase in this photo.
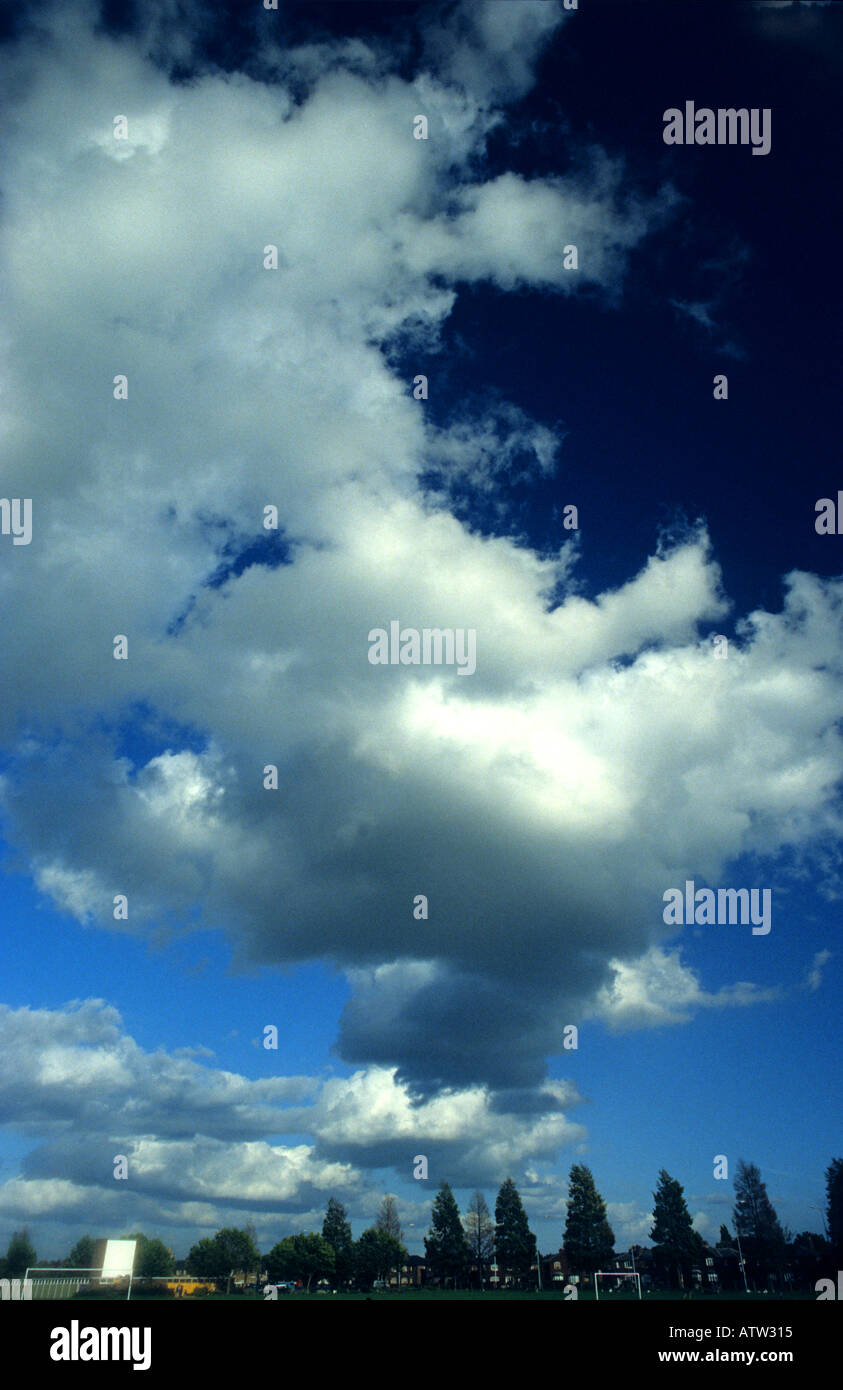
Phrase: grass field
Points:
(437, 1295)
(551, 1296)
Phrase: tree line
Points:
(765, 1250)
(461, 1251)
(452, 1249)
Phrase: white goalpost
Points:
(614, 1274)
(118, 1263)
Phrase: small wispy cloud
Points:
(814, 977)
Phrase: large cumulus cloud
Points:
(598, 755)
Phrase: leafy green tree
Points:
(834, 1208)
(446, 1248)
(155, 1260)
(480, 1234)
(152, 1257)
(83, 1253)
(676, 1245)
(20, 1255)
(515, 1244)
(336, 1230)
(202, 1259)
(237, 1251)
(230, 1251)
(589, 1240)
(725, 1241)
(304, 1257)
(375, 1254)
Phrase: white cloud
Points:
(599, 749)
(814, 976)
(657, 989)
(704, 1225)
(490, 47)
(468, 1134)
(630, 1224)
(197, 1138)
(77, 1065)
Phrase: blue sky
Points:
(601, 753)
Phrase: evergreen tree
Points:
(446, 1248)
(589, 1240)
(756, 1223)
(834, 1208)
(676, 1245)
(337, 1232)
(480, 1234)
(725, 1241)
(515, 1244)
(755, 1216)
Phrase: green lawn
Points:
(428, 1295)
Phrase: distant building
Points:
(414, 1272)
(556, 1270)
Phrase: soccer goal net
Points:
(616, 1284)
(60, 1282)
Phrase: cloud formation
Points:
(207, 1147)
(600, 754)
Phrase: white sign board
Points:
(119, 1258)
